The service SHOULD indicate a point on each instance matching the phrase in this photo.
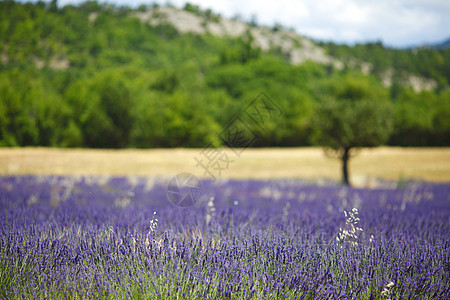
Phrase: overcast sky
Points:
(398, 23)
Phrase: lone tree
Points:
(358, 115)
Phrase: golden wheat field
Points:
(430, 164)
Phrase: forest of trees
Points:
(95, 76)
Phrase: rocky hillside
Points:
(296, 48)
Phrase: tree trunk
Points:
(345, 159)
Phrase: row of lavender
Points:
(99, 237)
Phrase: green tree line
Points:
(94, 75)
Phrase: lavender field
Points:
(121, 238)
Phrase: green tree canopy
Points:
(357, 116)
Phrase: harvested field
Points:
(429, 164)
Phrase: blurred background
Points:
(136, 74)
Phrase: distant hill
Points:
(97, 75)
(295, 47)
(442, 45)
